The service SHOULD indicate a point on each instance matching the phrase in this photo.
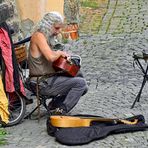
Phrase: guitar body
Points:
(71, 121)
(62, 64)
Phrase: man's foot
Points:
(51, 105)
(58, 111)
(56, 102)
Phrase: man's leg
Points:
(72, 87)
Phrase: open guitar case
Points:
(96, 131)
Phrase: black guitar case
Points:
(97, 130)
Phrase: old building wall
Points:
(22, 15)
(34, 10)
(31, 12)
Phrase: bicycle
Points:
(16, 108)
(16, 101)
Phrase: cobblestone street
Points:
(107, 64)
(115, 30)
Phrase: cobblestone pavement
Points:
(113, 85)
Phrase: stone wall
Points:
(8, 13)
(6, 10)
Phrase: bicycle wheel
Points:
(17, 108)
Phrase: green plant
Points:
(90, 3)
(64, 40)
(2, 137)
(84, 42)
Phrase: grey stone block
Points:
(1, 1)
(6, 11)
(14, 25)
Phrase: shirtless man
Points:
(40, 58)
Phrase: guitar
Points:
(67, 66)
(71, 121)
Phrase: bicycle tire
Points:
(17, 110)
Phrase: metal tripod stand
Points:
(145, 75)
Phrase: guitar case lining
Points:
(97, 130)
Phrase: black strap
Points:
(22, 41)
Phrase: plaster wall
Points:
(35, 9)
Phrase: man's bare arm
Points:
(40, 40)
